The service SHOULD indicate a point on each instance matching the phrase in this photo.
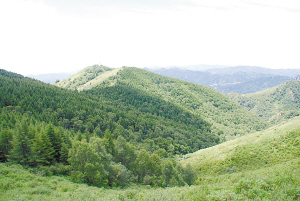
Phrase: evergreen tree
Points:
(6, 137)
(64, 153)
(21, 151)
(55, 141)
(109, 143)
(43, 150)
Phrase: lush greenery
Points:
(278, 182)
(275, 104)
(129, 135)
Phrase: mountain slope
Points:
(87, 78)
(150, 128)
(274, 104)
(228, 118)
(266, 148)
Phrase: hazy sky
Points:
(44, 36)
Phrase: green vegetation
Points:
(87, 78)
(106, 143)
(228, 119)
(263, 149)
(278, 180)
(273, 105)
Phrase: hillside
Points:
(87, 78)
(229, 119)
(263, 149)
(273, 105)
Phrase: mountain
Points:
(241, 79)
(228, 118)
(50, 77)
(273, 105)
(254, 69)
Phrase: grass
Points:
(266, 148)
(280, 182)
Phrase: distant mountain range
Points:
(51, 77)
(240, 79)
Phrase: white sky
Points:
(47, 36)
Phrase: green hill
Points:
(257, 150)
(228, 118)
(87, 78)
(273, 105)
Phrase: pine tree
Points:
(43, 150)
(64, 153)
(21, 151)
(109, 143)
(55, 141)
(6, 137)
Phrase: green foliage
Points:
(21, 152)
(43, 150)
(6, 137)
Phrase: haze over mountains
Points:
(240, 79)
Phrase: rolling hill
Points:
(228, 118)
(273, 105)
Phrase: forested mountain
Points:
(241, 79)
(42, 125)
(228, 118)
(273, 105)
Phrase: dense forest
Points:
(95, 137)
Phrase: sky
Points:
(53, 36)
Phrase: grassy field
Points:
(280, 182)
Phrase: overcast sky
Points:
(46, 36)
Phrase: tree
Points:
(43, 150)
(142, 165)
(109, 143)
(21, 151)
(6, 137)
(125, 153)
(89, 161)
(55, 141)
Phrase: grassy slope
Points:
(213, 106)
(277, 180)
(87, 78)
(275, 145)
(274, 104)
